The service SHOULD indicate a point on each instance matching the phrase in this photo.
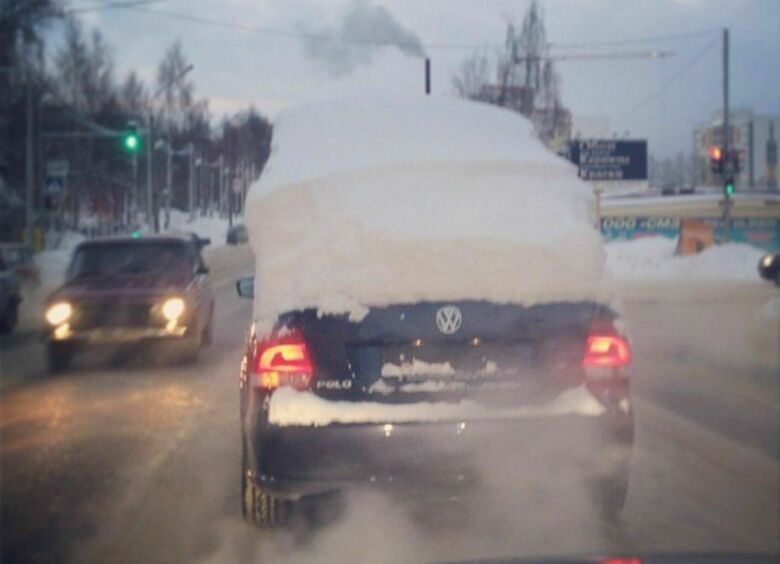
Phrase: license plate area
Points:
(465, 365)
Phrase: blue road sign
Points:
(610, 159)
(54, 185)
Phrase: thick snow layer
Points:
(206, 227)
(653, 258)
(430, 199)
(54, 262)
(317, 140)
(292, 408)
(417, 368)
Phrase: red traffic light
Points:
(715, 152)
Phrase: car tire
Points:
(208, 331)
(9, 318)
(189, 347)
(59, 356)
(258, 507)
(611, 495)
(190, 351)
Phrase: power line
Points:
(668, 83)
(637, 40)
(297, 34)
(111, 5)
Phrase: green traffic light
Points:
(131, 142)
(729, 187)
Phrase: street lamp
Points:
(188, 151)
(150, 209)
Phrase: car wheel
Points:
(9, 318)
(59, 356)
(208, 330)
(258, 507)
(611, 495)
(190, 350)
(189, 347)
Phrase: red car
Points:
(125, 291)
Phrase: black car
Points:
(128, 291)
(237, 235)
(550, 381)
(769, 267)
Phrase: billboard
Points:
(761, 232)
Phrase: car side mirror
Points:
(246, 287)
(202, 270)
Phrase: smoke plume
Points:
(363, 30)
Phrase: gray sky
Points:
(235, 67)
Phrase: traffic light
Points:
(716, 159)
(728, 187)
(131, 140)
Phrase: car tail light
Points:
(607, 351)
(283, 362)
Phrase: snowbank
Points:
(372, 203)
(207, 227)
(54, 262)
(653, 258)
(292, 408)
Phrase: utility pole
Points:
(168, 180)
(151, 219)
(191, 184)
(728, 165)
(29, 169)
(136, 192)
(221, 186)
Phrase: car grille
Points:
(110, 314)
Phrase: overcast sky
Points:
(235, 68)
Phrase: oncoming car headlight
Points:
(173, 308)
(59, 313)
(767, 261)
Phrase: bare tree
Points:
(472, 76)
(84, 70)
(21, 64)
(85, 92)
(524, 76)
(177, 90)
(133, 97)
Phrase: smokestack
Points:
(427, 76)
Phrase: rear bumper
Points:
(412, 457)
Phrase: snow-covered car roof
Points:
(319, 139)
(372, 203)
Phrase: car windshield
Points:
(129, 258)
(308, 281)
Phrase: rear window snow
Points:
(376, 203)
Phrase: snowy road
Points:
(140, 461)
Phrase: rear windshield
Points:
(130, 258)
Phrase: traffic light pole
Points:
(151, 217)
(28, 165)
(728, 165)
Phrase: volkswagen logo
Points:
(448, 319)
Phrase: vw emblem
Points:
(448, 319)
